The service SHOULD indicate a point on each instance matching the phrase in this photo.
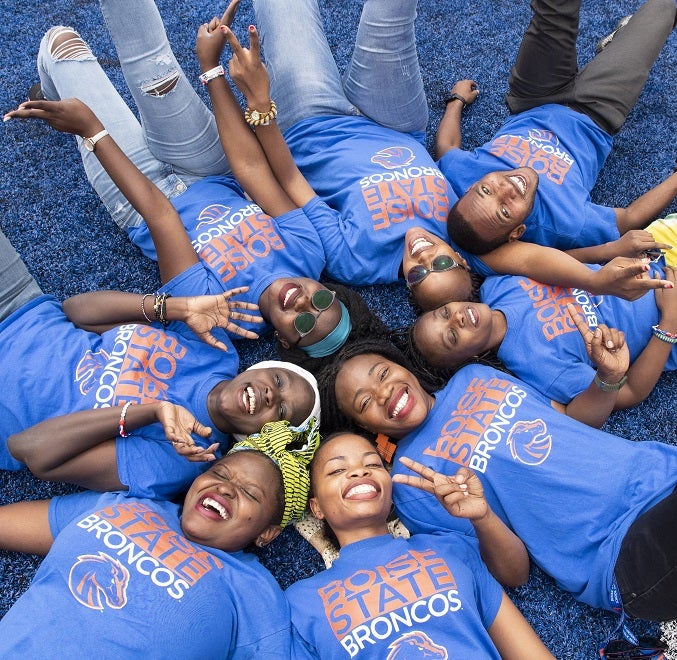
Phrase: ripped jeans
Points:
(175, 144)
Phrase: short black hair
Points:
(462, 232)
(365, 324)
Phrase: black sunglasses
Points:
(440, 263)
(321, 300)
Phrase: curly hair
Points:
(365, 324)
(333, 418)
(462, 233)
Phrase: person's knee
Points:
(64, 43)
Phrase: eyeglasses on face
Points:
(416, 274)
(321, 300)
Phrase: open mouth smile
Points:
(519, 182)
(212, 505)
(249, 399)
(419, 244)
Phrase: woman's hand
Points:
(210, 40)
(666, 301)
(68, 116)
(636, 243)
(204, 313)
(626, 278)
(179, 425)
(605, 347)
(247, 70)
(461, 495)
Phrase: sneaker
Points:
(605, 41)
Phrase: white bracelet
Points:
(211, 74)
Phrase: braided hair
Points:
(365, 324)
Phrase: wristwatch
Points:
(90, 142)
(610, 387)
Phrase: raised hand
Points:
(666, 301)
(68, 116)
(605, 347)
(210, 40)
(627, 278)
(461, 495)
(204, 313)
(179, 425)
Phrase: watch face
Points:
(255, 115)
(89, 145)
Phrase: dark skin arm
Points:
(634, 243)
(462, 496)
(623, 277)
(245, 155)
(648, 206)
(449, 132)
(98, 311)
(24, 527)
(80, 448)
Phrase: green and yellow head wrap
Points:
(291, 449)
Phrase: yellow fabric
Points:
(291, 450)
(664, 230)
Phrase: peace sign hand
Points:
(461, 495)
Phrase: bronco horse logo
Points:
(530, 443)
(98, 580)
(392, 157)
(86, 373)
(416, 644)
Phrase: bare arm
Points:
(449, 132)
(24, 527)
(622, 276)
(512, 635)
(462, 496)
(647, 207)
(80, 448)
(174, 249)
(634, 243)
(98, 311)
(245, 155)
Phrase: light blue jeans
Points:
(383, 79)
(175, 144)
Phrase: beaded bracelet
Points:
(211, 74)
(160, 308)
(143, 306)
(121, 425)
(256, 118)
(664, 335)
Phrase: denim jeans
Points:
(17, 286)
(383, 79)
(607, 88)
(175, 143)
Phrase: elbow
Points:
(517, 578)
(22, 449)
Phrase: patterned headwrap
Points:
(291, 449)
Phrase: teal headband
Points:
(334, 340)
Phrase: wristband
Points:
(160, 308)
(256, 118)
(610, 387)
(211, 74)
(121, 424)
(664, 335)
(455, 97)
(143, 308)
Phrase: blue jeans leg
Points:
(178, 127)
(17, 286)
(74, 72)
(304, 79)
(384, 77)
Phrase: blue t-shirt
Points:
(569, 491)
(238, 244)
(386, 597)
(543, 347)
(567, 150)
(50, 368)
(122, 581)
(379, 182)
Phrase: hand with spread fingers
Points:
(68, 116)
(605, 346)
(627, 278)
(179, 425)
(204, 313)
(461, 495)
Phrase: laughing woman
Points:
(598, 532)
(388, 596)
(127, 574)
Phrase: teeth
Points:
(209, 503)
(400, 404)
(288, 296)
(419, 244)
(520, 183)
(471, 315)
(249, 399)
(362, 488)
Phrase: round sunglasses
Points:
(321, 300)
(416, 274)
